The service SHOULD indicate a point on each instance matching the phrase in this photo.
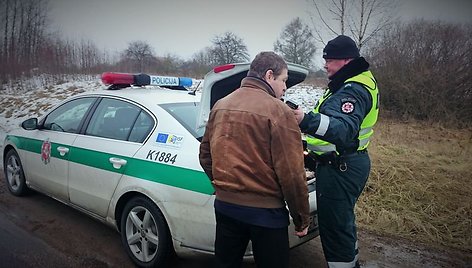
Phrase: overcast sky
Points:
(184, 27)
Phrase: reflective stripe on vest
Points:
(368, 81)
(321, 146)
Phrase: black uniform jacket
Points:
(346, 108)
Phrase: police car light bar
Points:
(110, 78)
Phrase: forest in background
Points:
(423, 67)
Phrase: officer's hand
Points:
(302, 233)
(299, 114)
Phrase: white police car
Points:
(129, 157)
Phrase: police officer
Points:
(338, 133)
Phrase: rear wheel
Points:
(14, 174)
(144, 233)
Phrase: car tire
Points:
(144, 233)
(14, 174)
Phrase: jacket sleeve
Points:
(340, 116)
(205, 152)
(288, 161)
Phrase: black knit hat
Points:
(341, 47)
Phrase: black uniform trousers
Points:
(337, 193)
(270, 245)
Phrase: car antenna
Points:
(195, 90)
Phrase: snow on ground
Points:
(34, 97)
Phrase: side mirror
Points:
(30, 124)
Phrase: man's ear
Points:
(268, 75)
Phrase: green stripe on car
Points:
(180, 177)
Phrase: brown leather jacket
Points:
(252, 152)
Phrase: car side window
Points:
(119, 120)
(142, 127)
(67, 117)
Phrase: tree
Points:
(361, 19)
(22, 32)
(203, 57)
(140, 54)
(228, 48)
(201, 62)
(296, 43)
(169, 64)
(88, 55)
(424, 71)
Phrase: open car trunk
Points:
(223, 80)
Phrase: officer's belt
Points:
(332, 158)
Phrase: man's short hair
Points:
(265, 61)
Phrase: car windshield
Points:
(186, 113)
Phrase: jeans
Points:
(270, 245)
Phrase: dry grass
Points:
(420, 185)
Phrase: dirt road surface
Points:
(38, 231)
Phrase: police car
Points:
(128, 156)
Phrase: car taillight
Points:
(222, 68)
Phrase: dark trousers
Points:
(270, 245)
(337, 193)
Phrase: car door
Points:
(50, 147)
(115, 132)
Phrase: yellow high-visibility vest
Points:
(366, 78)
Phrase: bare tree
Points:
(23, 24)
(31, 31)
(4, 16)
(203, 57)
(27, 45)
(361, 19)
(296, 43)
(424, 69)
(88, 56)
(228, 48)
(200, 63)
(168, 65)
(140, 54)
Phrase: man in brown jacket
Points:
(252, 153)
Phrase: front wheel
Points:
(14, 174)
(144, 233)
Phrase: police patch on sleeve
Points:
(347, 107)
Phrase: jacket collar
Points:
(353, 68)
(256, 82)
